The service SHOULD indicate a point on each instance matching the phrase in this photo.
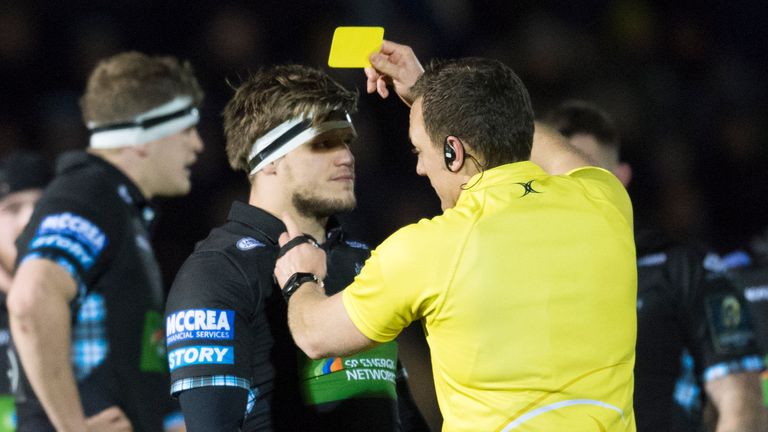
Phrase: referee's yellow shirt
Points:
(526, 290)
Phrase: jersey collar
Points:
(508, 173)
(125, 188)
(271, 226)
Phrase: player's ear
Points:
(270, 168)
(142, 150)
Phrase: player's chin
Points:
(346, 204)
(180, 188)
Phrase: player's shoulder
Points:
(236, 244)
(227, 258)
(352, 247)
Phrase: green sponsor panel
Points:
(153, 355)
(764, 379)
(370, 373)
(7, 414)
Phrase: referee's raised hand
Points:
(299, 253)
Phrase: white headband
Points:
(157, 123)
(288, 136)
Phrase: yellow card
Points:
(351, 46)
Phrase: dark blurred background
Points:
(685, 81)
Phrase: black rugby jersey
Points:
(93, 221)
(752, 280)
(226, 327)
(683, 302)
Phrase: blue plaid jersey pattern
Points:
(89, 336)
(209, 381)
(217, 381)
(173, 420)
(687, 390)
(753, 363)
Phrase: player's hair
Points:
(480, 101)
(273, 95)
(127, 84)
(574, 117)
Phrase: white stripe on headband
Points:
(157, 123)
(288, 136)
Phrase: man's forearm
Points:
(737, 400)
(320, 324)
(40, 325)
(301, 309)
(42, 340)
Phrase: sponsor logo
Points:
(369, 369)
(357, 244)
(713, 263)
(736, 260)
(757, 293)
(200, 355)
(333, 364)
(248, 243)
(211, 324)
(528, 188)
(71, 225)
(652, 260)
(731, 312)
(65, 244)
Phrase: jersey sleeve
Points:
(716, 324)
(394, 287)
(207, 321)
(74, 234)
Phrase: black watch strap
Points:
(304, 238)
(296, 280)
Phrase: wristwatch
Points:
(296, 280)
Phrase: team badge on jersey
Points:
(206, 324)
(356, 244)
(200, 355)
(728, 323)
(248, 243)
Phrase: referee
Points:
(526, 283)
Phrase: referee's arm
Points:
(320, 325)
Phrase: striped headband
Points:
(290, 135)
(157, 123)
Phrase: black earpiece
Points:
(450, 154)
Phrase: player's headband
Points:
(291, 134)
(157, 123)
